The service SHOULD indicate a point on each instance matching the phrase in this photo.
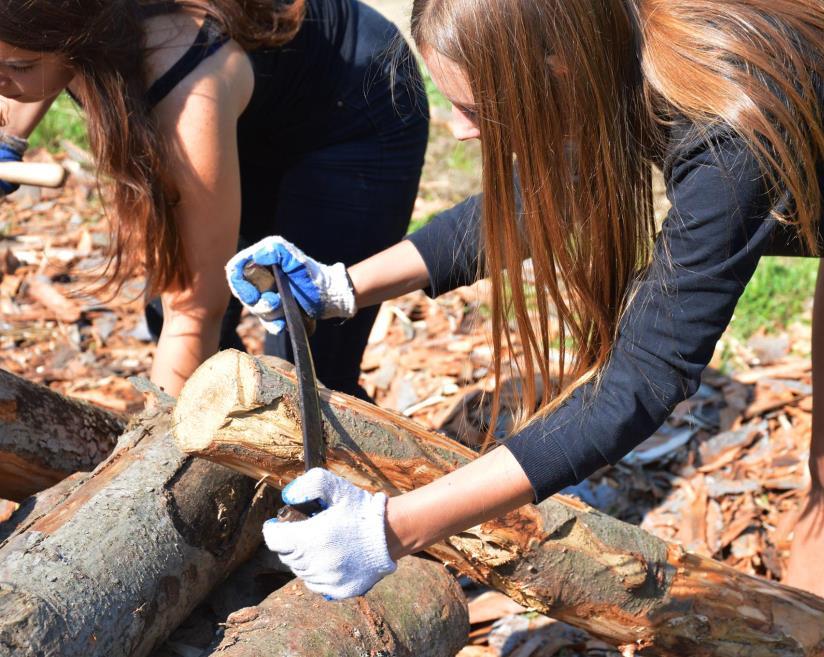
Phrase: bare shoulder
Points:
(225, 77)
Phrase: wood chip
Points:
(41, 290)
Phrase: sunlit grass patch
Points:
(779, 294)
(64, 120)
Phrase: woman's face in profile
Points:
(29, 77)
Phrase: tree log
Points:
(36, 506)
(44, 437)
(561, 557)
(420, 611)
(120, 560)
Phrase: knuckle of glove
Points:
(275, 326)
(268, 306)
(311, 485)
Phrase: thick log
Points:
(561, 557)
(420, 611)
(121, 559)
(44, 437)
(36, 506)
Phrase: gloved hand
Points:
(340, 552)
(9, 154)
(323, 291)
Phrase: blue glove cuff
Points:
(8, 154)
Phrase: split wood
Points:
(561, 557)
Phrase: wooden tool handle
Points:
(298, 512)
(263, 279)
(40, 174)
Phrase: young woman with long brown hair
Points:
(582, 98)
(215, 122)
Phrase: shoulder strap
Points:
(208, 41)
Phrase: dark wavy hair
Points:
(103, 40)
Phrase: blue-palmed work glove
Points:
(11, 150)
(324, 291)
(341, 552)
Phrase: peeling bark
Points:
(44, 437)
(119, 560)
(38, 505)
(561, 557)
(419, 611)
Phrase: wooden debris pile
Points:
(54, 328)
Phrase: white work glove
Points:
(341, 552)
(323, 291)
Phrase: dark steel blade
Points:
(309, 402)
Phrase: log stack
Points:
(561, 557)
(110, 562)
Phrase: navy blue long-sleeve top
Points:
(719, 226)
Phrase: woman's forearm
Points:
(486, 488)
(388, 274)
(184, 344)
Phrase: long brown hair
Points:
(576, 96)
(103, 41)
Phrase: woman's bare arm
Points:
(199, 119)
(20, 119)
(486, 488)
(388, 274)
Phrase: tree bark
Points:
(119, 560)
(419, 611)
(561, 557)
(38, 505)
(45, 437)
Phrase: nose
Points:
(462, 128)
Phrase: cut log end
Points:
(214, 395)
(228, 386)
(239, 410)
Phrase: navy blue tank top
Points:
(296, 85)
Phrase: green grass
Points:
(420, 222)
(64, 120)
(463, 158)
(779, 294)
